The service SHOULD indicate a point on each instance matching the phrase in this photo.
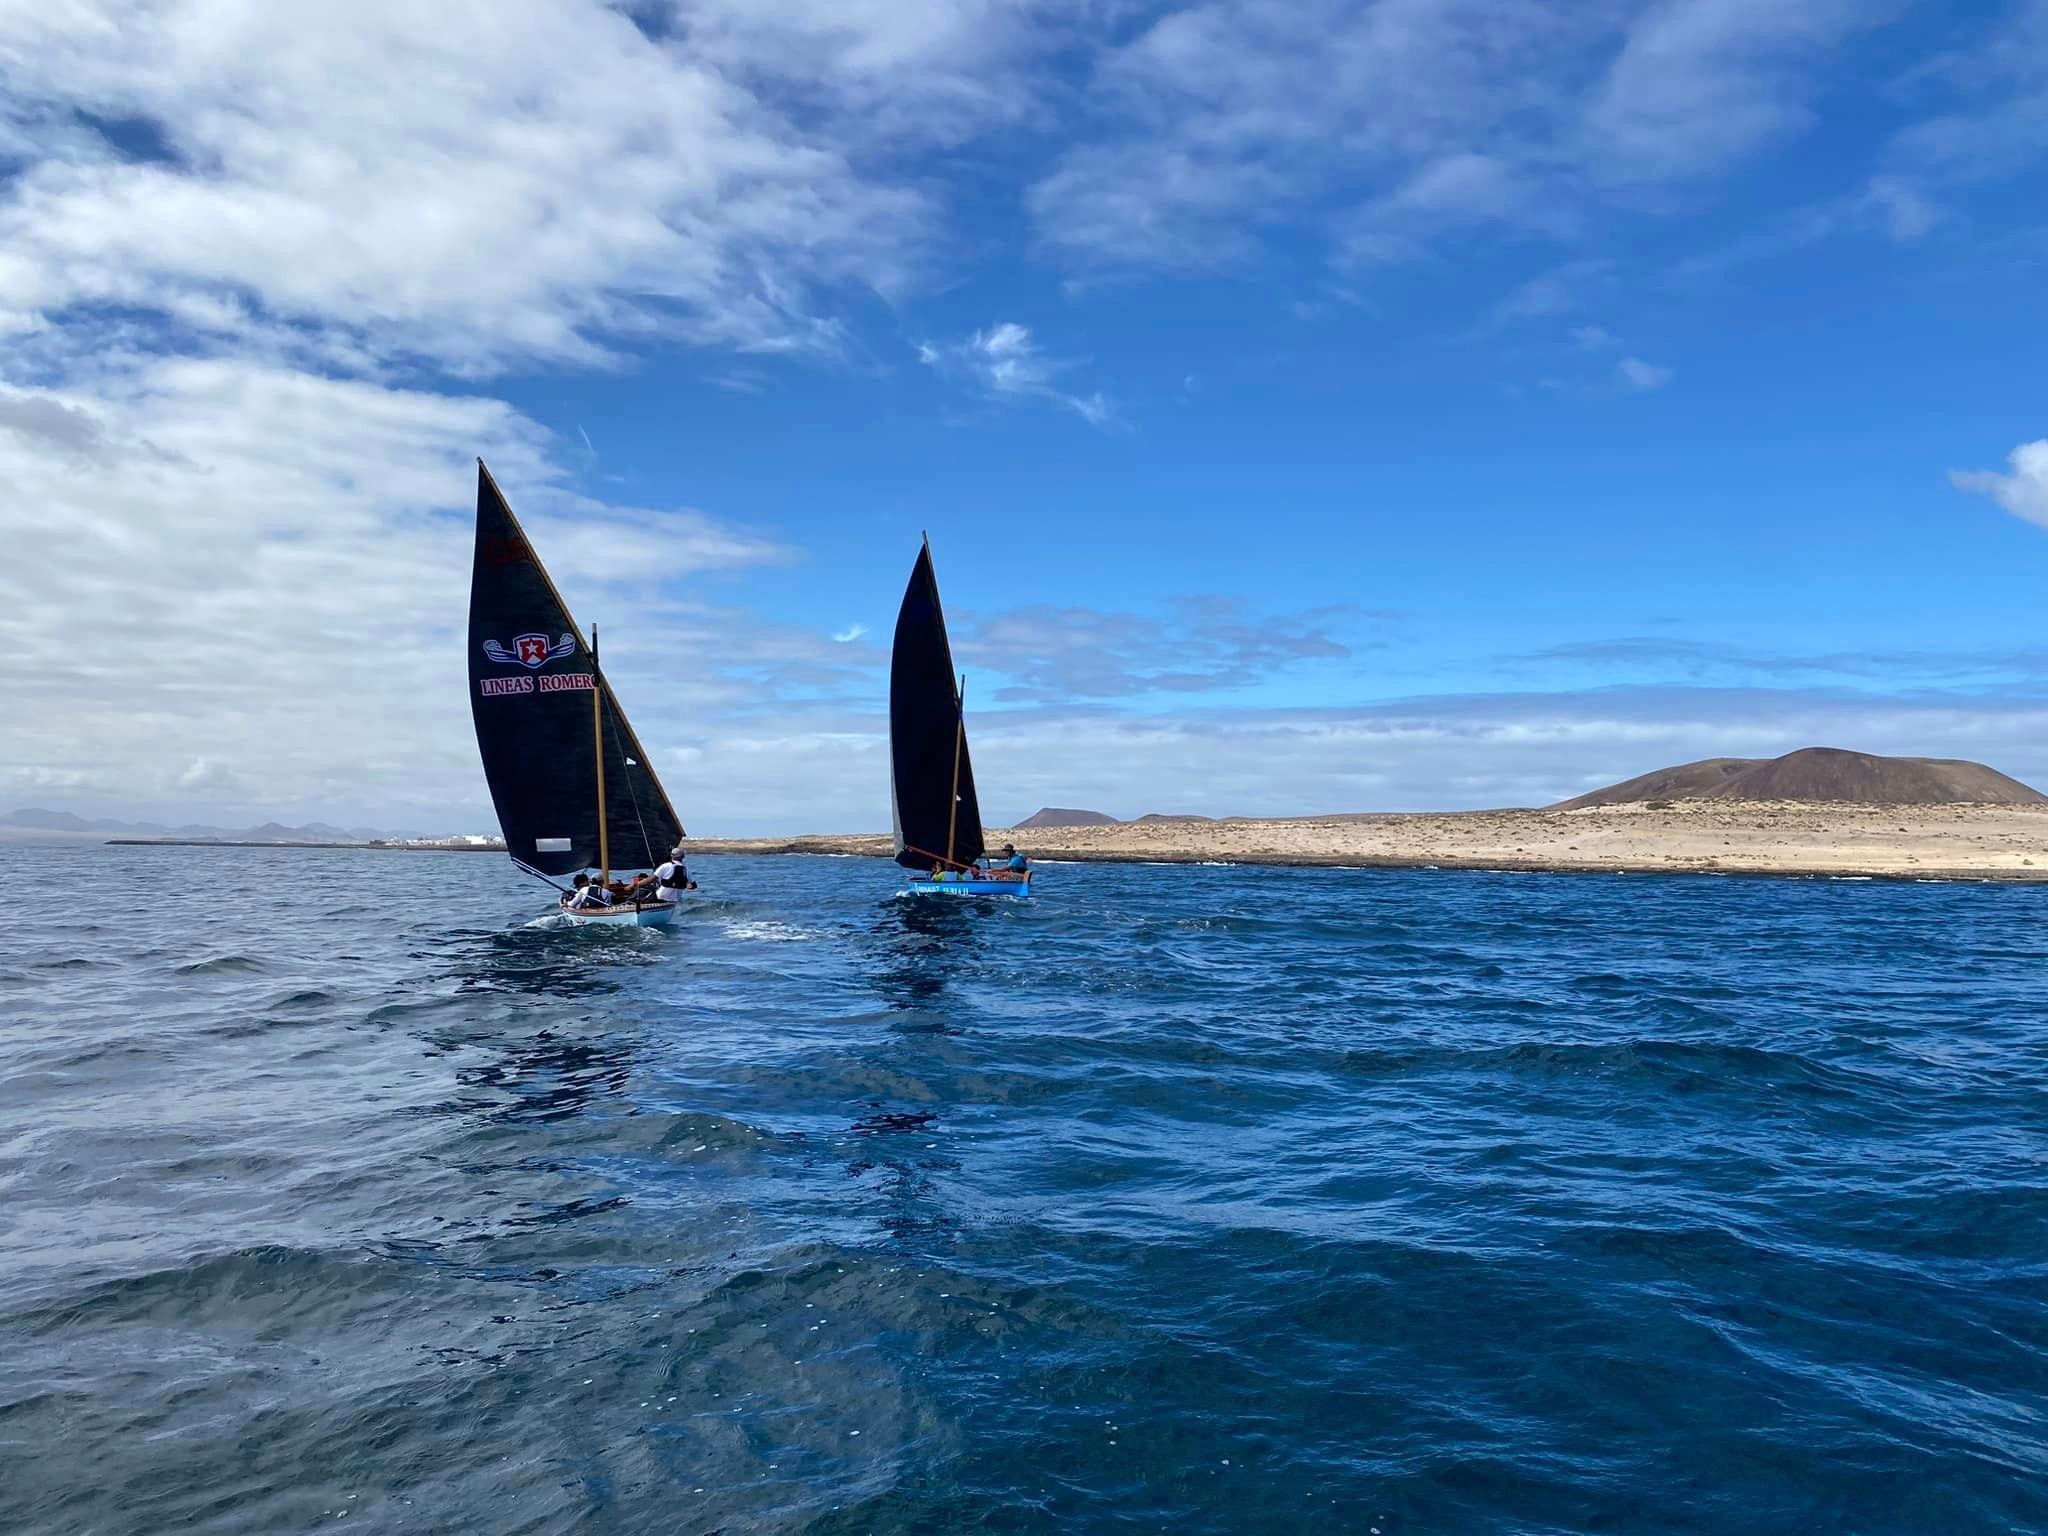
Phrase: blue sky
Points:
(1339, 406)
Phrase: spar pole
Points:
(604, 849)
(959, 750)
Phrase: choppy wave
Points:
(1304, 1199)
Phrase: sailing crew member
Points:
(672, 878)
(1013, 861)
(639, 888)
(587, 893)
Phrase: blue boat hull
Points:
(968, 887)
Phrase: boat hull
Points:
(647, 915)
(968, 888)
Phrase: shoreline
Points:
(233, 842)
(2006, 844)
(802, 848)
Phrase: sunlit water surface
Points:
(1197, 1200)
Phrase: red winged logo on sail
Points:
(532, 651)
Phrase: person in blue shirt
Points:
(1013, 861)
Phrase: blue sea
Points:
(336, 1192)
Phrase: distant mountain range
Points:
(1821, 774)
(1062, 816)
(34, 819)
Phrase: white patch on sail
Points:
(551, 845)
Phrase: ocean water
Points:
(1185, 1200)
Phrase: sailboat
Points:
(573, 788)
(931, 777)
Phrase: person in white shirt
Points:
(672, 878)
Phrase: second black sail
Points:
(937, 817)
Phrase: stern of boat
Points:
(647, 915)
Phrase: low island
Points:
(1820, 811)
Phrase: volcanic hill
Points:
(1061, 816)
(1821, 774)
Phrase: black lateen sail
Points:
(543, 708)
(937, 817)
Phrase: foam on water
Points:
(765, 931)
(1244, 1200)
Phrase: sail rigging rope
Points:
(529, 869)
(633, 794)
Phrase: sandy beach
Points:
(1937, 842)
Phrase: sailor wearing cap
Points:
(672, 878)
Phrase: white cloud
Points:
(1423, 118)
(739, 381)
(780, 772)
(1903, 206)
(1461, 189)
(208, 777)
(1049, 654)
(1231, 117)
(256, 586)
(1556, 291)
(39, 419)
(1455, 753)
(1994, 123)
(477, 187)
(1641, 377)
(1702, 85)
(1004, 361)
(1594, 338)
(889, 70)
(848, 635)
(2023, 492)
(470, 185)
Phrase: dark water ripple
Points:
(1199, 1200)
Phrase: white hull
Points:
(650, 915)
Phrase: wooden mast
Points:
(604, 851)
(959, 747)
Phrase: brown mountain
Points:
(1060, 816)
(1821, 773)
